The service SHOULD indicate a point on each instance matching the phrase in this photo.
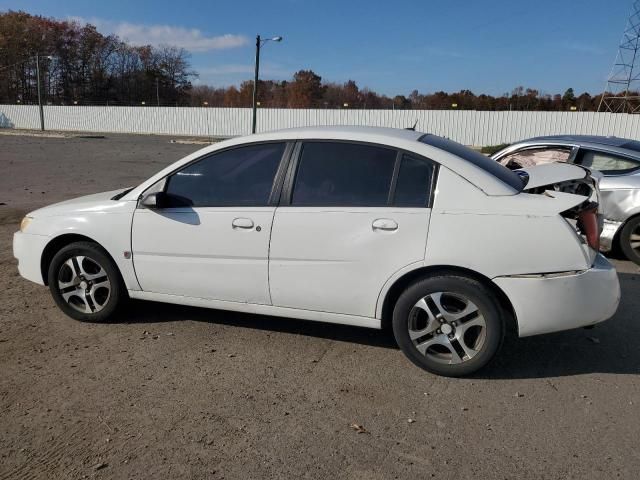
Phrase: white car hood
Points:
(97, 202)
(552, 173)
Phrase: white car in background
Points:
(350, 225)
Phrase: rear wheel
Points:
(85, 282)
(448, 325)
(630, 240)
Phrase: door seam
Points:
(273, 220)
(133, 262)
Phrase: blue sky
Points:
(487, 46)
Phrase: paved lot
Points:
(175, 392)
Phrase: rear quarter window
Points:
(413, 186)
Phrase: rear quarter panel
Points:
(499, 235)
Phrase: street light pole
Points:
(255, 85)
(39, 92)
(259, 43)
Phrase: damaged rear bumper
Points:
(551, 303)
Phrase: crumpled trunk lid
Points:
(576, 185)
(552, 174)
(565, 178)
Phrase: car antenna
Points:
(414, 126)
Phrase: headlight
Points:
(25, 223)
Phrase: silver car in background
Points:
(619, 161)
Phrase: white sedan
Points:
(350, 225)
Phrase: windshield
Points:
(485, 163)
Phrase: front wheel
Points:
(630, 240)
(85, 282)
(448, 325)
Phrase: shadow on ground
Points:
(153, 312)
(611, 347)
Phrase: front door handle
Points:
(244, 223)
(384, 224)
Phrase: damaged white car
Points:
(350, 225)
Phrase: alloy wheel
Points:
(84, 284)
(447, 328)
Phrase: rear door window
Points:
(343, 174)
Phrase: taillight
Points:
(588, 223)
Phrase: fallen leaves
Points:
(358, 428)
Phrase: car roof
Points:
(339, 131)
(614, 145)
(610, 141)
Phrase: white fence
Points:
(467, 127)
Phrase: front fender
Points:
(112, 231)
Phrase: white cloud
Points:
(190, 39)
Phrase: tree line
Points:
(79, 65)
(307, 91)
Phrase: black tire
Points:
(97, 266)
(454, 290)
(632, 227)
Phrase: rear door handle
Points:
(244, 223)
(384, 224)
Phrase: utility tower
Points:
(622, 92)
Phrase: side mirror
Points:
(158, 200)
(153, 200)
